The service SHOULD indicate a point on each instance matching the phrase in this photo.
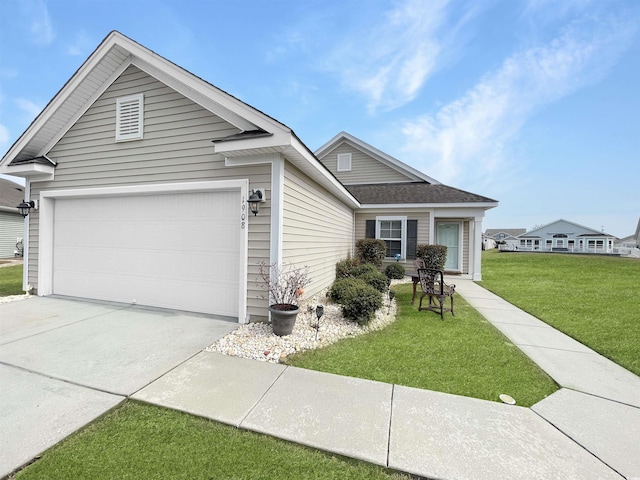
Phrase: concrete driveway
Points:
(64, 362)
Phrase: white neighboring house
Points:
(502, 238)
(565, 236)
(11, 222)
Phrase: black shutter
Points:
(412, 239)
(370, 229)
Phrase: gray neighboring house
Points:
(141, 173)
(502, 238)
(11, 222)
(565, 236)
(632, 241)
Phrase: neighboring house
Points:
(565, 236)
(503, 238)
(632, 241)
(405, 208)
(11, 222)
(141, 172)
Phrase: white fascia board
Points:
(444, 206)
(278, 140)
(60, 97)
(323, 172)
(38, 172)
(201, 93)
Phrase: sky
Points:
(534, 103)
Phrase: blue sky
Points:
(535, 103)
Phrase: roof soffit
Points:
(100, 70)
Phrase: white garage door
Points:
(178, 251)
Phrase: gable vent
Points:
(129, 117)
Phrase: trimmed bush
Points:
(346, 267)
(343, 289)
(376, 279)
(370, 250)
(361, 303)
(394, 270)
(434, 256)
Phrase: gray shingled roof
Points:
(415, 192)
(514, 232)
(11, 193)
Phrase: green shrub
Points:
(346, 267)
(344, 288)
(376, 279)
(394, 270)
(370, 250)
(361, 303)
(434, 256)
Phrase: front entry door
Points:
(448, 234)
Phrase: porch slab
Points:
(607, 429)
(215, 386)
(438, 435)
(345, 415)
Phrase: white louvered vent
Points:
(129, 117)
(344, 162)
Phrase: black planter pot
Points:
(283, 318)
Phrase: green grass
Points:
(463, 355)
(594, 299)
(138, 441)
(11, 281)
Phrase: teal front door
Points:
(448, 234)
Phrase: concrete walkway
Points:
(590, 429)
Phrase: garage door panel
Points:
(174, 251)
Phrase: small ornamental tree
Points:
(285, 284)
(434, 256)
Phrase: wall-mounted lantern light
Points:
(255, 199)
(25, 207)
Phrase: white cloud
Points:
(82, 45)
(4, 139)
(39, 25)
(389, 63)
(467, 139)
(28, 106)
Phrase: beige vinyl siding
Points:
(177, 147)
(422, 216)
(11, 228)
(317, 231)
(364, 168)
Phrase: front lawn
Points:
(11, 281)
(139, 441)
(594, 299)
(464, 355)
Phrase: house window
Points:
(129, 118)
(392, 231)
(344, 162)
(399, 235)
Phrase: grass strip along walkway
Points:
(463, 355)
(592, 298)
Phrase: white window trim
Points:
(343, 162)
(403, 239)
(139, 132)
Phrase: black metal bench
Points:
(433, 285)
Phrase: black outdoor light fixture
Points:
(25, 207)
(254, 201)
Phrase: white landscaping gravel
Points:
(13, 298)
(257, 341)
